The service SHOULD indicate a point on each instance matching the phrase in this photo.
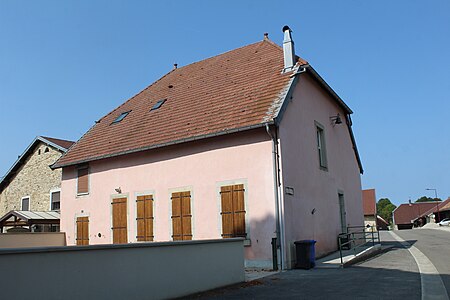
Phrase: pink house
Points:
(250, 143)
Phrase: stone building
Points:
(30, 184)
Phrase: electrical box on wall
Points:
(289, 190)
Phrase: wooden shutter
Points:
(83, 181)
(83, 231)
(181, 216)
(239, 210)
(119, 211)
(144, 219)
(233, 211)
(227, 211)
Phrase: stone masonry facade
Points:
(35, 179)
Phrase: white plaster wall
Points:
(200, 167)
(313, 187)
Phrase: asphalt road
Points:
(391, 275)
(435, 244)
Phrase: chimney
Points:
(288, 49)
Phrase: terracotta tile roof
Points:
(444, 205)
(62, 143)
(405, 213)
(234, 90)
(369, 202)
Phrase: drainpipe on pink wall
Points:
(278, 216)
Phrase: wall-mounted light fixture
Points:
(336, 120)
(118, 190)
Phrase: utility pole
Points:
(437, 203)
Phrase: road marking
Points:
(430, 280)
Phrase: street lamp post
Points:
(437, 202)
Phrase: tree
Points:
(427, 199)
(385, 209)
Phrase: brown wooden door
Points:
(233, 211)
(181, 216)
(83, 231)
(144, 219)
(119, 221)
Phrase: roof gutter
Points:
(58, 165)
(348, 120)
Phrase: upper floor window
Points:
(322, 151)
(83, 181)
(121, 117)
(26, 203)
(55, 200)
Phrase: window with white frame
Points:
(25, 203)
(55, 198)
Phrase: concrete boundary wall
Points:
(131, 271)
(32, 239)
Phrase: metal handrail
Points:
(353, 231)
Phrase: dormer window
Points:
(121, 117)
(158, 104)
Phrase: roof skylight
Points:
(158, 104)
(121, 117)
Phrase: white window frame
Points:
(55, 190)
(29, 203)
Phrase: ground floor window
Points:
(181, 216)
(144, 218)
(119, 221)
(82, 231)
(233, 211)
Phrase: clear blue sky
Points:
(64, 64)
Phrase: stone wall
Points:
(370, 220)
(34, 179)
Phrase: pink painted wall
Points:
(313, 187)
(201, 167)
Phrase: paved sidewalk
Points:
(391, 275)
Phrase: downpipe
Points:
(279, 244)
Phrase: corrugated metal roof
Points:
(31, 215)
(38, 215)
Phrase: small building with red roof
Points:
(369, 207)
(406, 214)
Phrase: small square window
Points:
(121, 117)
